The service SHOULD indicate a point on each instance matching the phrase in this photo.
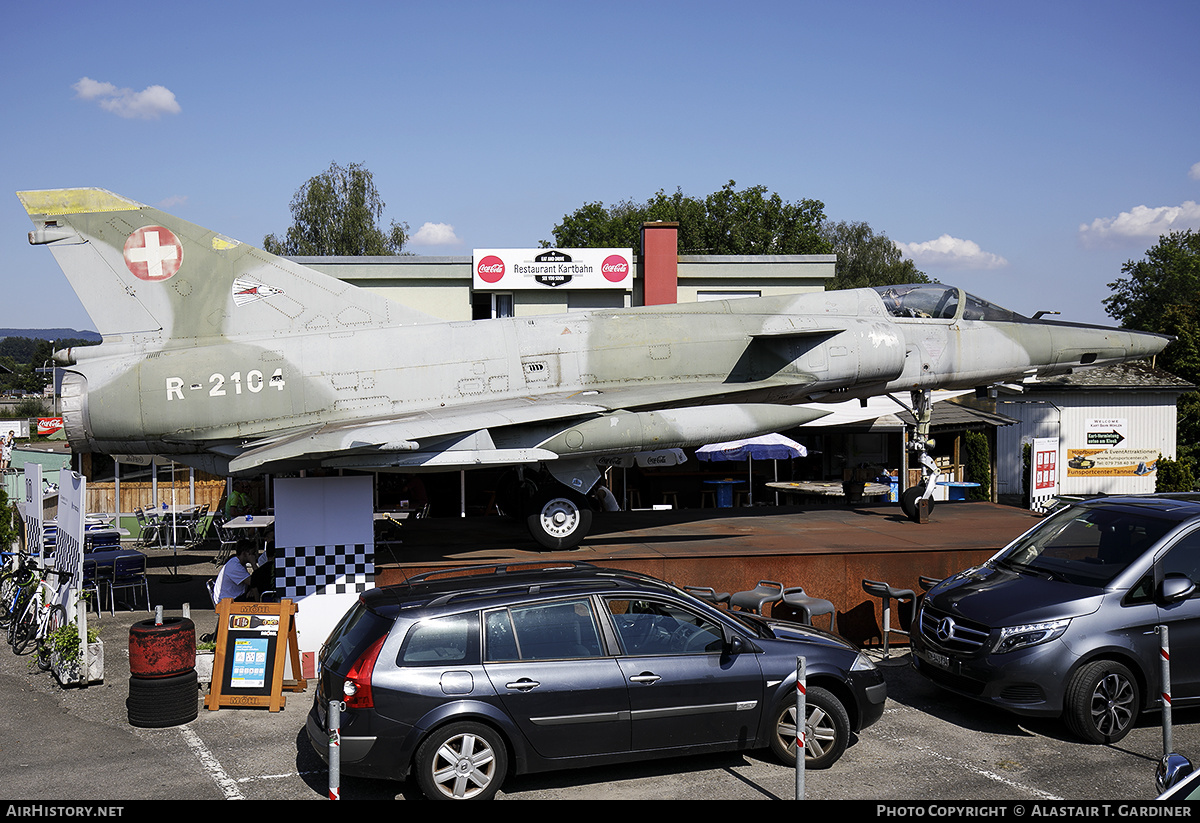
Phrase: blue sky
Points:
(1022, 150)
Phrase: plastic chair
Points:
(147, 529)
(227, 542)
(887, 594)
(810, 607)
(93, 583)
(767, 591)
(129, 572)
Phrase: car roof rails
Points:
(495, 569)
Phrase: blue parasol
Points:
(763, 447)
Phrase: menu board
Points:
(248, 667)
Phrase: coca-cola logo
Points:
(490, 269)
(615, 268)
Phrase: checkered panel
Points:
(301, 571)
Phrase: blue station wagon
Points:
(463, 677)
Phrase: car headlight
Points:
(862, 663)
(1029, 634)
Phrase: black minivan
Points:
(1065, 620)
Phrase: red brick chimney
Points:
(660, 263)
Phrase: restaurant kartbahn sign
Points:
(521, 269)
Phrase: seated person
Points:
(233, 581)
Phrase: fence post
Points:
(801, 724)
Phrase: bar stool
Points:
(809, 607)
(767, 591)
(887, 594)
(708, 594)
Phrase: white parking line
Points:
(962, 764)
(225, 783)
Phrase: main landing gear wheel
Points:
(559, 519)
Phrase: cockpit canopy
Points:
(933, 300)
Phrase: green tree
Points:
(1162, 294)
(729, 221)
(867, 259)
(337, 213)
(977, 462)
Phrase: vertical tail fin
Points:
(142, 273)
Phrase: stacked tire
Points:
(163, 687)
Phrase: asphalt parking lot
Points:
(77, 745)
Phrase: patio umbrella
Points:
(764, 447)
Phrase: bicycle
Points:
(36, 619)
(16, 579)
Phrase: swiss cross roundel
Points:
(153, 253)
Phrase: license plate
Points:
(940, 660)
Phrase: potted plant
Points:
(65, 657)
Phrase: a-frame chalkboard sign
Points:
(248, 666)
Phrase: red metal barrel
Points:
(162, 650)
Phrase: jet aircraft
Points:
(227, 358)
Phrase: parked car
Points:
(1063, 621)
(463, 677)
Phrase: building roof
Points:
(1137, 375)
(951, 415)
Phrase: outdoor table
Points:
(829, 488)
(724, 492)
(957, 489)
(253, 523)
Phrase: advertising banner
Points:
(523, 269)
(49, 425)
(1111, 462)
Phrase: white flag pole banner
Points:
(33, 510)
(325, 549)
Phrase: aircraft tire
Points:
(908, 501)
(559, 519)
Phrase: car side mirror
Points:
(734, 645)
(1175, 589)
(1171, 769)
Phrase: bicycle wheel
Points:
(19, 607)
(25, 628)
(12, 584)
(55, 619)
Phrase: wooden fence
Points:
(101, 497)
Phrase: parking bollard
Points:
(335, 743)
(1164, 653)
(801, 726)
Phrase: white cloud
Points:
(1194, 171)
(435, 234)
(1143, 222)
(148, 104)
(952, 253)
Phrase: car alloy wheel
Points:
(462, 761)
(826, 732)
(1102, 702)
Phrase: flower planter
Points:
(68, 672)
(204, 667)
